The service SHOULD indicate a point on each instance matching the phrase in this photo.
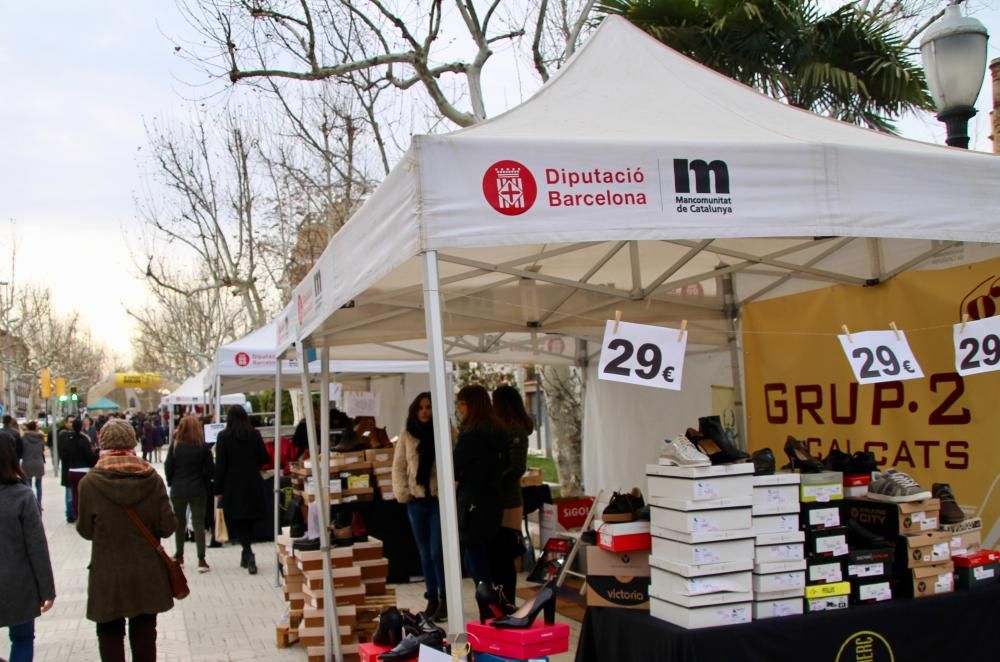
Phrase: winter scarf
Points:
(424, 434)
(122, 460)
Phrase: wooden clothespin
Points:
(684, 326)
(847, 332)
(965, 320)
(892, 325)
(618, 319)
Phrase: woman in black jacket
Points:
(74, 453)
(189, 469)
(481, 457)
(239, 455)
(508, 544)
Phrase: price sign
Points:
(337, 393)
(977, 347)
(362, 403)
(212, 431)
(642, 354)
(879, 356)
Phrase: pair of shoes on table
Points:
(544, 601)
(951, 512)
(492, 602)
(304, 544)
(712, 440)
(625, 507)
(860, 463)
(763, 462)
(406, 633)
(681, 452)
(896, 487)
(799, 457)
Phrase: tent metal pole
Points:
(277, 466)
(321, 474)
(218, 399)
(441, 399)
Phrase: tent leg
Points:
(277, 466)
(218, 399)
(441, 399)
(732, 311)
(321, 474)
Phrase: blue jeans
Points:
(425, 520)
(22, 642)
(477, 562)
(70, 513)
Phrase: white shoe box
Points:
(782, 552)
(779, 581)
(701, 570)
(701, 536)
(700, 521)
(782, 566)
(701, 617)
(777, 608)
(785, 537)
(665, 583)
(701, 600)
(775, 494)
(717, 551)
(776, 523)
(779, 595)
(694, 484)
(714, 471)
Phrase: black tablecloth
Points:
(960, 626)
(388, 521)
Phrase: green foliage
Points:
(263, 402)
(548, 466)
(847, 64)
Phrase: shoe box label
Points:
(624, 564)
(826, 573)
(823, 518)
(874, 592)
(866, 570)
(609, 591)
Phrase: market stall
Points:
(669, 194)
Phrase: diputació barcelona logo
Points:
(509, 187)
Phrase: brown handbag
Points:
(178, 582)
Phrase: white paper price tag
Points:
(879, 356)
(977, 347)
(644, 355)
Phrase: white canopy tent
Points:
(634, 180)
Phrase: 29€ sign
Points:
(643, 354)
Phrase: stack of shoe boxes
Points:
(779, 550)
(702, 559)
(826, 544)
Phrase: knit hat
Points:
(116, 433)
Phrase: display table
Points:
(959, 626)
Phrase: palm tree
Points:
(848, 64)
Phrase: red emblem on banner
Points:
(509, 187)
(242, 359)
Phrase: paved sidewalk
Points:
(229, 615)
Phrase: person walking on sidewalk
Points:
(26, 571)
(239, 455)
(189, 469)
(33, 460)
(74, 453)
(128, 579)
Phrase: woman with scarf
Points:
(414, 482)
(128, 579)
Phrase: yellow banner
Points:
(137, 379)
(942, 428)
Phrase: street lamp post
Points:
(953, 50)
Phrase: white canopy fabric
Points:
(192, 392)
(671, 152)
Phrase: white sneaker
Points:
(681, 452)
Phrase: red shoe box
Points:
(625, 537)
(977, 569)
(537, 641)
(856, 485)
(369, 652)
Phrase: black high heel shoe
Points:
(799, 457)
(523, 618)
(492, 602)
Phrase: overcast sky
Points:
(78, 80)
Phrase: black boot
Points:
(251, 563)
(243, 559)
(441, 613)
(432, 606)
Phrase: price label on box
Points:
(977, 346)
(880, 356)
(643, 354)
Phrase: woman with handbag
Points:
(124, 511)
(189, 469)
(239, 455)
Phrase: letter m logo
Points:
(702, 181)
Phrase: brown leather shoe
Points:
(951, 512)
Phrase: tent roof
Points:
(770, 193)
(103, 403)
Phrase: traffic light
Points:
(72, 394)
(45, 382)
(61, 388)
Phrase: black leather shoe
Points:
(799, 457)
(390, 628)
(306, 544)
(243, 559)
(763, 462)
(711, 427)
(252, 564)
(840, 461)
(492, 602)
(523, 618)
(409, 647)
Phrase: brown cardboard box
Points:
(933, 579)
(339, 557)
(892, 519)
(367, 551)
(346, 459)
(349, 595)
(347, 615)
(342, 577)
(617, 579)
(924, 549)
(966, 542)
(314, 636)
(377, 569)
(318, 653)
(374, 455)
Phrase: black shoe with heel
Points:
(492, 602)
(799, 457)
(544, 601)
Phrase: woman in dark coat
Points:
(239, 455)
(481, 457)
(189, 470)
(25, 572)
(128, 579)
(508, 544)
(74, 453)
